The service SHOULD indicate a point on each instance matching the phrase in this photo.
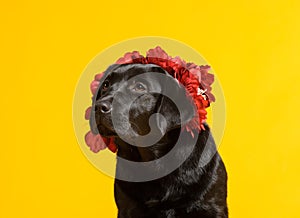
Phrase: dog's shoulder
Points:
(199, 180)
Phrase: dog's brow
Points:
(115, 76)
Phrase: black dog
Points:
(126, 100)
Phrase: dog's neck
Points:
(139, 153)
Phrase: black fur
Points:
(192, 190)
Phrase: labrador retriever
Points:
(128, 97)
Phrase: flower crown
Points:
(196, 80)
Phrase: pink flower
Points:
(95, 142)
(207, 80)
(94, 86)
(195, 70)
(129, 58)
(177, 60)
(98, 76)
(88, 113)
(157, 53)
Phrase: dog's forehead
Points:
(128, 71)
(135, 72)
(124, 75)
(155, 77)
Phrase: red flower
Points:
(196, 80)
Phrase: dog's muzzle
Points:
(103, 107)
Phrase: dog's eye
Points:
(139, 87)
(105, 85)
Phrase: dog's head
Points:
(130, 94)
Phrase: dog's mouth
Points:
(102, 126)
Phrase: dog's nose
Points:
(104, 107)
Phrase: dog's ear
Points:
(175, 106)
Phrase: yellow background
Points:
(253, 46)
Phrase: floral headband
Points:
(194, 78)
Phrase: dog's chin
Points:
(102, 129)
(128, 136)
